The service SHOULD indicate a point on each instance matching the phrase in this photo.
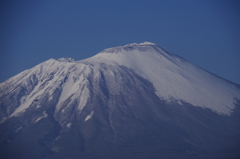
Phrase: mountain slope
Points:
(132, 101)
(174, 77)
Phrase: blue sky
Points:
(204, 32)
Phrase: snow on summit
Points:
(174, 78)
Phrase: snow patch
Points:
(18, 129)
(66, 91)
(26, 101)
(89, 116)
(69, 124)
(44, 116)
(59, 137)
(3, 119)
(179, 102)
(75, 88)
(83, 98)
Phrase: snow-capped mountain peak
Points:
(173, 77)
(133, 99)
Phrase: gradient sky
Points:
(205, 32)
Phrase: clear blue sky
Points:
(205, 32)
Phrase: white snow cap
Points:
(130, 47)
(147, 43)
(144, 43)
(66, 59)
(175, 79)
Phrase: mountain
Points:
(133, 101)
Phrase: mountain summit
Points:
(173, 77)
(132, 101)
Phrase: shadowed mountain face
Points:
(135, 101)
